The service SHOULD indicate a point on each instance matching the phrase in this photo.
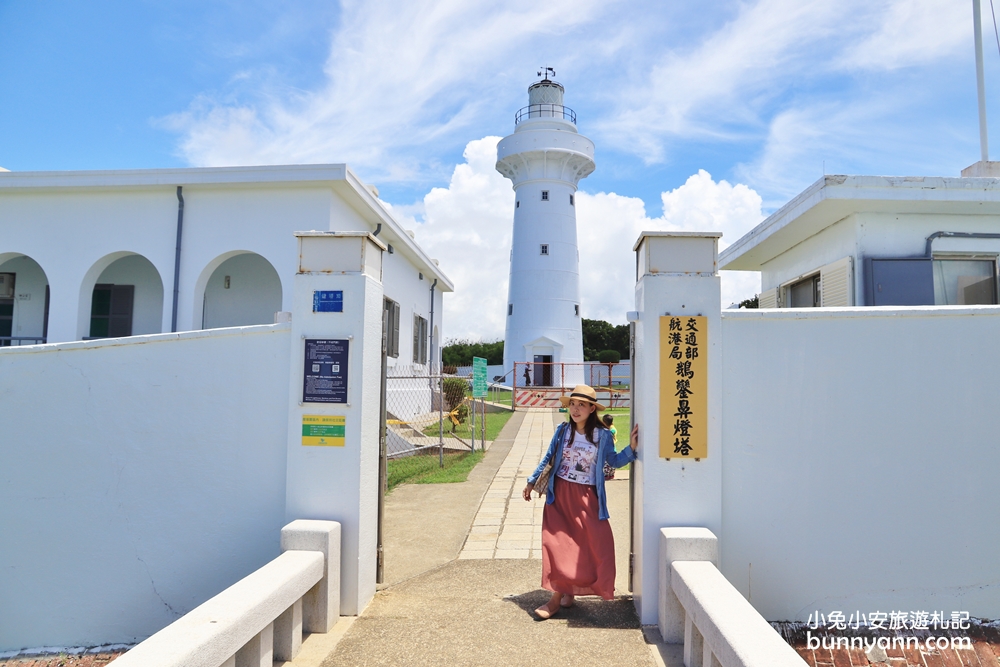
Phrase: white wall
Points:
(99, 222)
(68, 232)
(125, 502)
(860, 459)
(870, 234)
(29, 297)
(835, 242)
(252, 297)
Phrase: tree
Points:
(600, 335)
(460, 352)
(751, 303)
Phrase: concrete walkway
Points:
(506, 526)
(463, 575)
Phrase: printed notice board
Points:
(325, 376)
(478, 377)
(683, 387)
(328, 301)
(323, 430)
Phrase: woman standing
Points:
(578, 549)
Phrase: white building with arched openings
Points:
(94, 254)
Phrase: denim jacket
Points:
(605, 453)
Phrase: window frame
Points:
(814, 278)
(543, 249)
(392, 328)
(419, 339)
(545, 195)
(946, 256)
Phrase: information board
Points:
(325, 372)
(478, 377)
(683, 387)
(323, 430)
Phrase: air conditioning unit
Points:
(6, 285)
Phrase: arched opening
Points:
(122, 295)
(239, 289)
(24, 301)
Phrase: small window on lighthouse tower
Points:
(571, 200)
(510, 309)
(576, 309)
(545, 195)
(545, 248)
(517, 204)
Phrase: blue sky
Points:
(703, 118)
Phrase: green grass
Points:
(494, 422)
(425, 468)
(499, 396)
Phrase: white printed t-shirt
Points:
(579, 460)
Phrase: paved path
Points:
(506, 526)
(463, 583)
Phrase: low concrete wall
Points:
(860, 459)
(138, 477)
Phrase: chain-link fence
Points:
(423, 413)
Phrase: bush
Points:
(449, 370)
(454, 391)
(609, 356)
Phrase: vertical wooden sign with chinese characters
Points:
(683, 387)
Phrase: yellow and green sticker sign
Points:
(323, 430)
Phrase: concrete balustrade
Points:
(699, 607)
(261, 617)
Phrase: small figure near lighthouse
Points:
(545, 158)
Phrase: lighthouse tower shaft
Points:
(545, 158)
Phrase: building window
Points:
(517, 204)
(391, 324)
(804, 293)
(545, 195)
(111, 311)
(545, 249)
(419, 340)
(571, 200)
(962, 281)
(576, 309)
(510, 309)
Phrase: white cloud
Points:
(403, 80)
(468, 226)
(609, 225)
(912, 32)
(726, 86)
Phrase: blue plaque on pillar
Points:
(328, 302)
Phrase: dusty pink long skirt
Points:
(578, 549)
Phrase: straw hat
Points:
(582, 392)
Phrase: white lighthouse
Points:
(545, 159)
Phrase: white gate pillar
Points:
(333, 409)
(676, 275)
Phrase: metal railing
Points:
(7, 341)
(545, 111)
(541, 384)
